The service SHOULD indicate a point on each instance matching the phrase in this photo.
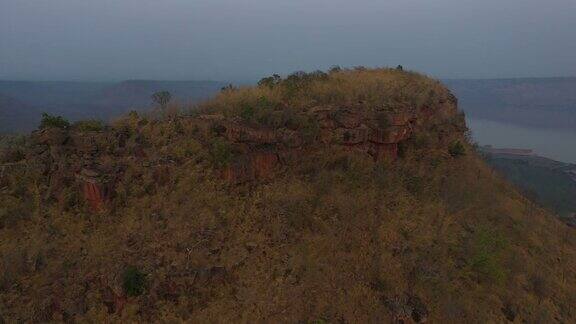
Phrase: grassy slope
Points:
(333, 237)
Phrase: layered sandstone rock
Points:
(70, 157)
(373, 132)
(93, 161)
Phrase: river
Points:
(556, 144)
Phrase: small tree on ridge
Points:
(162, 98)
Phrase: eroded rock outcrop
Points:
(94, 189)
(93, 161)
(376, 132)
(74, 159)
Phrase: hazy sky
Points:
(246, 39)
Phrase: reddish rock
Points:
(264, 164)
(95, 192)
(376, 133)
(401, 119)
(384, 151)
(96, 195)
(253, 166)
(162, 174)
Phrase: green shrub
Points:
(247, 112)
(485, 251)
(457, 149)
(90, 125)
(50, 121)
(221, 153)
(134, 282)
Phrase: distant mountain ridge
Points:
(14, 116)
(81, 100)
(532, 102)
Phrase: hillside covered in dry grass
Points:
(351, 196)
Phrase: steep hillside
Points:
(348, 197)
(540, 102)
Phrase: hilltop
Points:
(348, 196)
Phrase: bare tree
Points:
(162, 98)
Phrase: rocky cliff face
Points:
(377, 133)
(84, 163)
(93, 161)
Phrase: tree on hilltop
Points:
(162, 98)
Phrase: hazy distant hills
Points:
(13, 111)
(136, 93)
(22, 102)
(538, 102)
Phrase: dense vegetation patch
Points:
(134, 281)
(50, 121)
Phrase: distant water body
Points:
(556, 144)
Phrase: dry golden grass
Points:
(378, 88)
